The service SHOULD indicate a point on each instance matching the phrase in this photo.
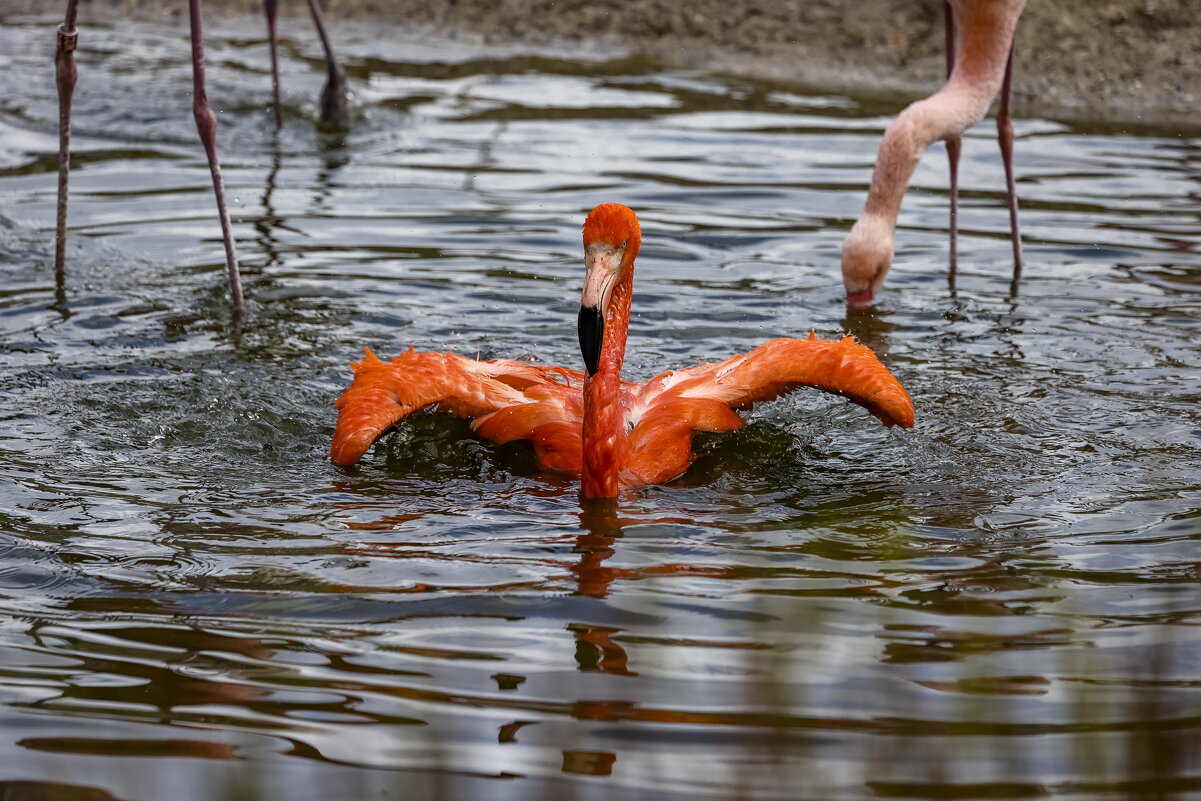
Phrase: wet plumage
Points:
(613, 432)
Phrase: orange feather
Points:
(644, 430)
(510, 401)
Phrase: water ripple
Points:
(1001, 602)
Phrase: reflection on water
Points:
(1001, 603)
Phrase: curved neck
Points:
(605, 442)
(983, 36)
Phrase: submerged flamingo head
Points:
(866, 256)
(611, 241)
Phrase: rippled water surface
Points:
(195, 604)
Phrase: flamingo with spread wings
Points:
(610, 432)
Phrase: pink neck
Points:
(605, 441)
(983, 35)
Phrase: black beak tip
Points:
(592, 334)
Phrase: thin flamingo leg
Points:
(334, 108)
(954, 143)
(271, 10)
(65, 75)
(206, 124)
(1005, 137)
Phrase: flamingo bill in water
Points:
(612, 433)
(980, 39)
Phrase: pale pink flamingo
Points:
(333, 113)
(980, 35)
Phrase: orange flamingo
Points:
(981, 54)
(610, 432)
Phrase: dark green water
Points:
(194, 604)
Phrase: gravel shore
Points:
(1105, 60)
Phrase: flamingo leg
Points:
(334, 108)
(954, 144)
(271, 10)
(1005, 138)
(206, 125)
(64, 75)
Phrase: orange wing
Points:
(506, 400)
(778, 366)
(669, 408)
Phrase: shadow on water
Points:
(194, 604)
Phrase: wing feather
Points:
(841, 367)
(384, 393)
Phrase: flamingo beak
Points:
(592, 334)
(859, 300)
(602, 265)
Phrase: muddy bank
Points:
(1119, 60)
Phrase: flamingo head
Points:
(866, 257)
(611, 241)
